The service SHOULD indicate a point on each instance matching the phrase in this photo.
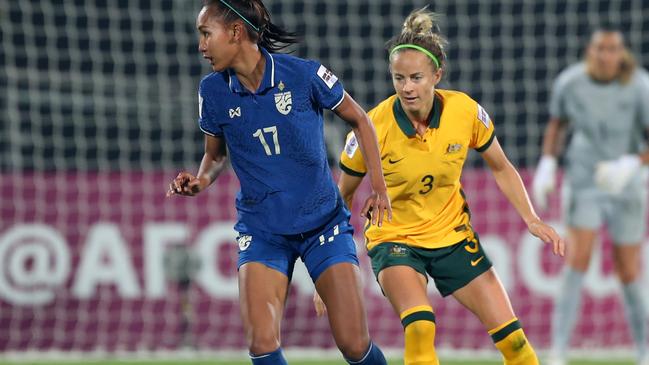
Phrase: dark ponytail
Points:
(257, 22)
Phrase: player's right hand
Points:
(186, 184)
(544, 180)
(375, 207)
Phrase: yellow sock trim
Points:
(419, 308)
(494, 330)
(510, 339)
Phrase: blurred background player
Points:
(605, 100)
(267, 109)
(424, 137)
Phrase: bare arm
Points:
(213, 163)
(510, 183)
(348, 184)
(354, 115)
(554, 137)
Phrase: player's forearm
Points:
(368, 144)
(553, 137)
(211, 167)
(511, 185)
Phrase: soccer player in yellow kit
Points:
(424, 136)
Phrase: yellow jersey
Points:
(422, 173)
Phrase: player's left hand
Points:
(376, 206)
(320, 307)
(613, 176)
(547, 234)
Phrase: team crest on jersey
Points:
(398, 251)
(244, 241)
(453, 148)
(283, 100)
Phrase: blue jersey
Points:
(275, 139)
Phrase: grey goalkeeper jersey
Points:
(607, 120)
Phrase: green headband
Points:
(240, 15)
(418, 48)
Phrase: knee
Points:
(353, 348)
(421, 329)
(579, 261)
(262, 342)
(627, 271)
(628, 275)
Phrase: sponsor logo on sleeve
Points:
(351, 146)
(483, 116)
(327, 76)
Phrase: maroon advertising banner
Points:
(104, 261)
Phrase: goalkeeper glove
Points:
(613, 176)
(544, 180)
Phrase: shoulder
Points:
(457, 101)
(641, 77)
(215, 82)
(292, 63)
(300, 69)
(570, 75)
(382, 114)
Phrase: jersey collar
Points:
(267, 82)
(405, 124)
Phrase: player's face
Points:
(216, 42)
(605, 55)
(414, 80)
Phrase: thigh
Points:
(340, 288)
(486, 297)
(404, 287)
(583, 208)
(273, 251)
(262, 296)
(334, 244)
(626, 218)
(580, 247)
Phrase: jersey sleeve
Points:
(207, 120)
(558, 98)
(483, 130)
(351, 159)
(643, 95)
(326, 90)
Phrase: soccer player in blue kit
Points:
(266, 108)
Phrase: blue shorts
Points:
(319, 249)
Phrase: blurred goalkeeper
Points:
(425, 135)
(266, 108)
(605, 100)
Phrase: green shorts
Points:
(451, 267)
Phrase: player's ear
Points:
(236, 30)
(437, 75)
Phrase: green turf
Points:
(293, 362)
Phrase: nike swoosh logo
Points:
(475, 262)
(395, 161)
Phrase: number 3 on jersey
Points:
(259, 133)
(428, 184)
